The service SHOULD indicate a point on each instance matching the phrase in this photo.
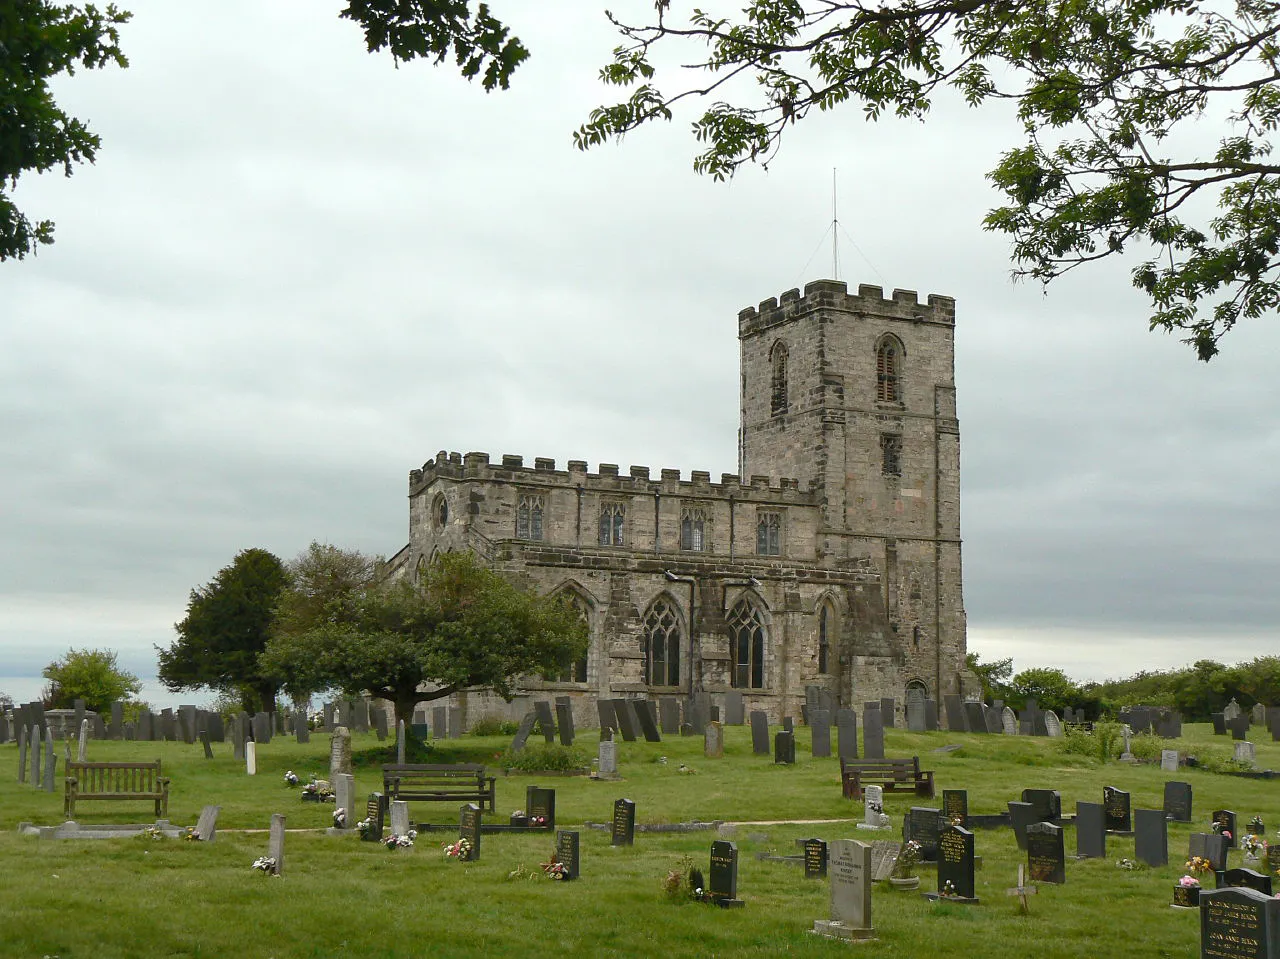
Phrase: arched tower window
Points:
(889, 355)
(660, 644)
(778, 380)
(529, 517)
(826, 632)
(576, 672)
(747, 639)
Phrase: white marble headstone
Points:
(1052, 724)
(83, 746)
(1169, 760)
(873, 816)
(251, 757)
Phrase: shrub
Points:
(491, 725)
(547, 757)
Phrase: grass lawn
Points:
(342, 897)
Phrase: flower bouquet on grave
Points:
(365, 826)
(1186, 894)
(457, 850)
(1220, 829)
(909, 857)
(1256, 826)
(697, 886)
(151, 832)
(949, 890)
(402, 842)
(1197, 866)
(537, 821)
(265, 863)
(1254, 846)
(318, 790)
(190, 835)
(518, 818)
(1128, 865)
(554, 869)
(291, 778)
(339, 819)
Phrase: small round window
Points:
(441, 512)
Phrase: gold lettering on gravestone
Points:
(952, 847)
(1233, 931)
(1042, 868)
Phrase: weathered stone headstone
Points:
(564, 722)
(759, 732)
(956, 863)
(847, 734)
(399, 818)
(1046, 859)
(1169, 760)
(624, 823)
(1245, 753)
(1116, 804)
(344, 797)
(1225, 821)
(1238, 923)
(116, 729)
(301, 730)
(884, 856)
(734, 708)
(915, 715)
(455, 722)
(815, 858)
(207, 825)
(872, 732)
(820, 733)
(36, 740)
(82, 745)
(722, 879)
(401, 742)
(1177, 801)
(567, 852)
(607, 761)
(784, 747)
(975, 715)
(275, 843)
(361, 715)
(850, 876)
(205, 744)
(955, 807)
(931, 715)
(146, 726)
(380, 724)
(22, 754)
(439, 721)
(1151, 837)
(469, 829)
(1091, 831)
(713, 741)
(669, 714)
(50, 761)
(888, 712)
(1053, 726)
(957, 721)
(339, 752)
(647, 721)
(1021, 815)
(374, 810)
(1231, 710)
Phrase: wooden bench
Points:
(422, 782)
(890, 774)
(126, 781)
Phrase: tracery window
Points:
(693, 529)
(576, 672)
(747, 636)
(660, 644)
(529, 518)
(612, 517)
(768, 533)
(826, 628)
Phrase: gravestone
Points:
(275, 843)
(699, 712)
(207, 824)
(1021, 815)
(1245, 753)
(955, 806)
(759, 733)
(815, 858)
(50, 761)
(872, 732)
(469, 829)
(625, 717)
(567, 852)
(993, 720)
(1209, 846)
(346, 713)
(1273, 858)
(873, 816)
(362, 715)
(541, 803)
(146, 725)
(116, 729)
(1219, 723)
(168, 726)
(1239, 924)
(251, 758)
(915, 715)
(301, 730)
(204, 741)
(380, 724)
(1246, 879)
(188, 714)
(36, 741)
(1231, 710)
(604, 714)
(1239, 727)
(888, 711)
(564, 720)
(344, 796)
(669, 714)
(884, 856)
(339, 752)
(820, 733)
(1225, 822)
(713, 741)
(734, 708)
(399, 818)
(607, 760)
(1091, 831)
(1168, 760)
(455, 722)
(1046, 859)
(1151, 837)
(1116, 805)
(546, 724)
(624, 823)
(846, 734)
(22, 754)
(1009, 721)
(440, 721)
(647, 720)
(1052, 725)
(956, 719)
(82, 744)
(237, 734)
(1258, 714)
(261, 728)
(923, 824)
(784, 748)
(722, 880)
(523, 731)
(400, 741)
(851, 876)
(373, 811)
(930, 716)
(975, 715)
(956, 863)
(1047, 803)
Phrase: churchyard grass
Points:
(342, 897)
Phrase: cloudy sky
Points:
(296, 272)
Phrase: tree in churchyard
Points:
(462, 626)
(39, 41)
(93, 675)
(1050, 688)
(227, 625)
(325, 585)
(994, 676)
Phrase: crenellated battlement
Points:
(477, 466)
(834, 294)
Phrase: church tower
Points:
(854, 395)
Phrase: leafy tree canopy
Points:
(994, 676)
(463, 626)
(227, 625)
(1050, 688)
(38, 41)
(93, 675)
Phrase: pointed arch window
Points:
(529, 518)
(826, 629)
(889, 354)
(693, 529)
(660, 644)
(778, 379)
(768, 533)
(747, 638)
(612, 516)
(576, 672)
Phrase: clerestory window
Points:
(612, 517)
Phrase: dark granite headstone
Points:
(957, 722)
(1151, 837)
(923, 824)
(1245, 878)
(567, 845)
(624, 823)
(1239, 726)
(362, 715)
(1047, 803)
(625, 716)
(955, 806)
(1209, 846)
(116, 729)
(872, 732)
(1116, 805)
(931, 715)
(1177, 801)
(815, 858)
(669, 713)
(545, 723)
(976, 717)
(956, 862)
(788, 724)
(375, 810)
(1225, 822)
(1091, 831)
(564, 720)
(847, 734)
(699, 712)
(523, 731)
(1021, 815)
(1219, 724)
(759, 732)
(541, 803)
(784, 747)
(820, 733)
(647, 719)
(604, 709)
(722, 880)
(888, 710)
(1046, 859)
(469, 829)
(1239, 923)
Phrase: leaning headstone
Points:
(872, 732)
(207, 825)
(722, 879)
(1151, 837)
(1117, 806)
(759, 732)
(546, 724)
(1239, 923)
(1021, 816)
(1091, 831)
(975, 715)
(647, 721)
(784, 747)
(734, 709)
(820, 733)
(1046, 859)
(567, 853)
(849, 871)
(625, 716)
(956, 864)
(523, 731)
(204, 742)
(469, 829)
(669, 715)
(564, 720)
(713, 741)
(275, 843)
(339, 752)
(815, 858)
(1177, 801)
(846, 734)
(624, 823)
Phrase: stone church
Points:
(831, 559)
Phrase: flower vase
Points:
(909, 882)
